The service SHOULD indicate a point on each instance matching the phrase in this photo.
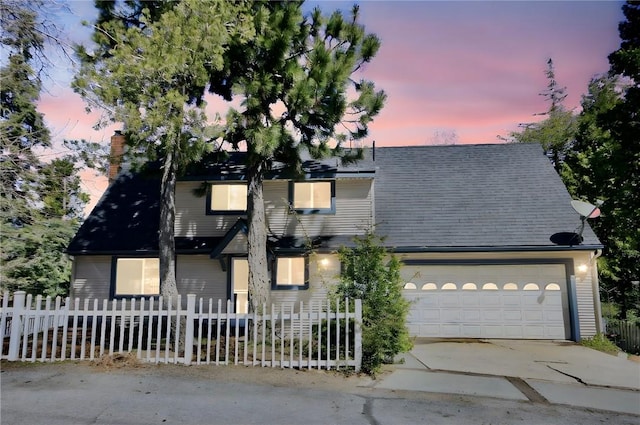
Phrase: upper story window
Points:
(291, 273)
(227, 198)
(313, 197)
(136, 276)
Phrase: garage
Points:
(527, 301)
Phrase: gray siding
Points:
(321, 279)
(200, 275)
(191, 217)
(91, 277)
(354, 212)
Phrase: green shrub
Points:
(370, 273)
(601, 343)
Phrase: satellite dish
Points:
(585, 209)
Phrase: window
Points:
(240, 284)
(137, 276)
(226, 198)
(291, 272)
(313, 197)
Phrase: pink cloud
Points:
(473, 68)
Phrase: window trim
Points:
(331, 210)
(114, 274)
(274, 274)
(211, 211)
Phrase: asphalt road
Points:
(77, 394)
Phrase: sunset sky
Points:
(455, 71)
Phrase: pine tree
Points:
(295, 79)
(556, 132)
(149, 71)
(34, 230)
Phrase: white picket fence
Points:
(291, 336)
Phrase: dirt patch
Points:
(634, 358)
(119, 361)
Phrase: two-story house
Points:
(473, 224)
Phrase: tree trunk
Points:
(167, 247)
(257, 239)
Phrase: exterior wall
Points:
(195, 274)
(200, 275)
(324, 271)
(91, 276)
(354, 211)
(586, 290)
(586, 296)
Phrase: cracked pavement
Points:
(72, 393)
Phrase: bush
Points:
(370, 273)
(601, 343)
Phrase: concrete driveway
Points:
(558, 372)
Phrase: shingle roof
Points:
(471, 196)
(124, 220)
(464, 197)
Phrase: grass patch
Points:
(601, 343)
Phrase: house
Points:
(473, 224)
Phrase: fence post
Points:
(16, 325)
(358, 336)
(188, 331)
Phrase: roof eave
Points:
(531, 248)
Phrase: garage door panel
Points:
(512, 315)
(431, 316)
(450, 331)
(533, 316)
(513, 331)
(492, 316)
(494, 303)
(449, 300)
(492, 331)
(470, 316)
(451, 315)
(552, 316)
(472, 331)
(556, 332)
(511, 300)
(489, 299)
(533, 332)
(531, 300)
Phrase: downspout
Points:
(596, 289)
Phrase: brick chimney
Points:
(115, 157)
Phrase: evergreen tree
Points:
(155, 60)
(149, 71)
(605, 164)
(371, 274)
(295, 82)
(34, 230)
(556, 132)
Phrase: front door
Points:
(240, 284)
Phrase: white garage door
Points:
(487, 301)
